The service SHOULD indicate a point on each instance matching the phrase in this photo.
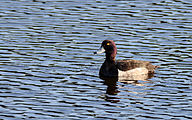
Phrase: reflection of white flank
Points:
(133, 72)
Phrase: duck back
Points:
(129, 64)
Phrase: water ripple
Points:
(48, 70)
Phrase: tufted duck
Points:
(123, 68)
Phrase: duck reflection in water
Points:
(112, 84)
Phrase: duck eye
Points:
(108, 43)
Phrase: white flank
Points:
(136, 71)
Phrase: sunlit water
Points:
(48, 69)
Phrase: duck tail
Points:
(157, 66)
(152, 68)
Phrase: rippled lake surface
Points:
(48, 69)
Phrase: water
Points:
(48, 69)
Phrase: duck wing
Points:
(129, 64)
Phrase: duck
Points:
(121, 68)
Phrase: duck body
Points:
(126, 68)
(108, 69)
(121, 68)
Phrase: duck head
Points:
(109, 47)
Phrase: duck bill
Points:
(101, 50)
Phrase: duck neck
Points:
(110, 57)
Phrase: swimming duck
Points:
(121, 68)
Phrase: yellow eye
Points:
(108, 43)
